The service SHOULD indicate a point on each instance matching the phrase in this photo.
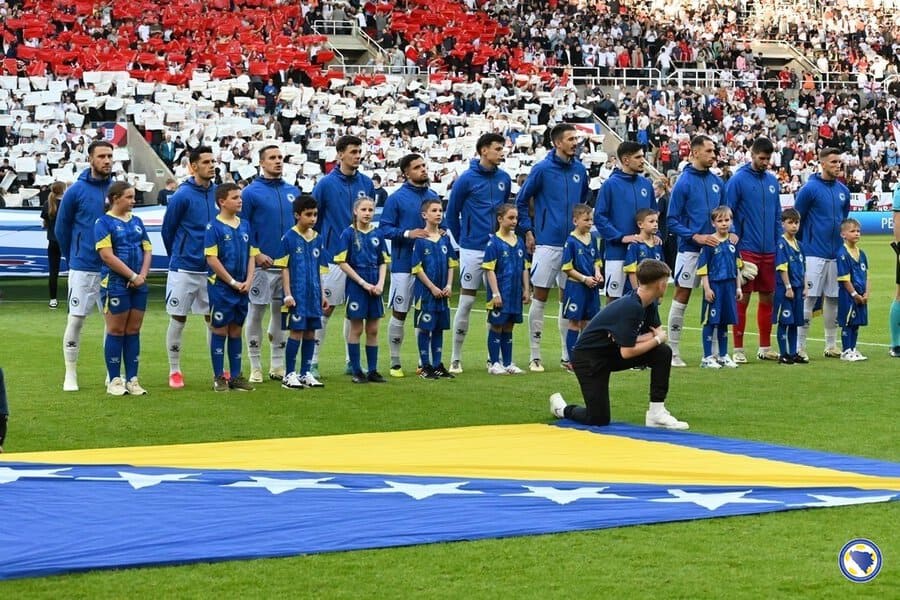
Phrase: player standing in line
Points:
(401, 223)
(124, 247)
(696, 193)
(647, 246)
(895, 305)
(335, 194)
(507, 289)
(433, 262)
(363, 258)
(823, 203)
(584, 275)
(268, 210)
(230, 255)
(552, 189)
(753, 193)
(719, 270)
(790, 288)
(619, 199)
(190, 209)
(80, 208)
(853, 294)
(303, 265)
(473, 203)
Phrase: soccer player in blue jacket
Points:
(402, 224)
(823, 202)
(474, 199)
(335, 194)
(191, 208)
(553, 188)
(696, 193)
(81, 206)
(621, 196)
(754, 195)
(268, 208)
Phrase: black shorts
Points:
(896, 247)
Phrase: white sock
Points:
(173, 344)
(803, 330)
(536, 327)
(395, 339)
(563, 324)
(72, 342)
(320, 338)
(676, 322)
(253, 328)
(346, 332)
(461, 324)
(829, 313)
(277, 336)
(657, 407)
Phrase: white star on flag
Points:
(561, 496)
(826, 500)
(420, 491)
(141, 480)
(9, 475)
(279, 486)
(714, 500)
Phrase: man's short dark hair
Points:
(345, 141)
(628, 149)
(700, 140)
(762, 145)
(828, 151)
(651, 270)
(98, 144)
(223, 190)
(408, 160)
(487, 139)
(264, 149)
(559, 130)
(304, 202)
(197, 152)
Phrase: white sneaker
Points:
(848, 355)
(767, 354)
(536, 365)
(455, 367)
(677, 361)
(739, 357)
(858, 355)
(497, 369)
(275, 373)
(709, 362)
(663, 418)
(727, 362)
(256, 376)
(292, 381)
(512, 369)
(557, 405)
(309, 381)
(116, 387)
(133, 387)
(70, 383)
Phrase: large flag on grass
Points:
(120, 507)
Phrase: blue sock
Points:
(493, 341)
(372, 358)
(132, 355)
(217, 352)
(722, 332)
(895, 323)
(112, 349)
(854, 335)
(234, 355)
(307, 348)
(571, 338)
(792, 339)
(424, 341)
(437, 342)
(353, 354)
(846, 338)
(783, 340)
(290, 355)
(707, 340)
(506, 347)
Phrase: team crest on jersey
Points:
(245, 237)
(218, 316)
(361, 194)
(644, 192)
(731, 247)
(376, 242)
(138, 229)
(315, 252)
(520, 253)
(841, 196)
(715, 188)
(576, 177)
(862, 266)
(290, 197)
(771, 189)
(444, 249)
(227, 237)
(501, 186)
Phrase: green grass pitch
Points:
(828, 405)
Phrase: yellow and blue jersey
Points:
(365, 251)
(305, 259)
(789, 258)
(856, 271)
(231, 244)
(584, 257)
(720, 263)
(506, 258)
(435, 258)
(129, 241)
(636, 253)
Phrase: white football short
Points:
(84, 292)
(614, 278)
(471, 275)
(546, 267)
(334, 285)
(821, 277)
(186, 293)
(266, 286)
(401, 291)
(686, 270)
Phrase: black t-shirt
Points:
(619, 324)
